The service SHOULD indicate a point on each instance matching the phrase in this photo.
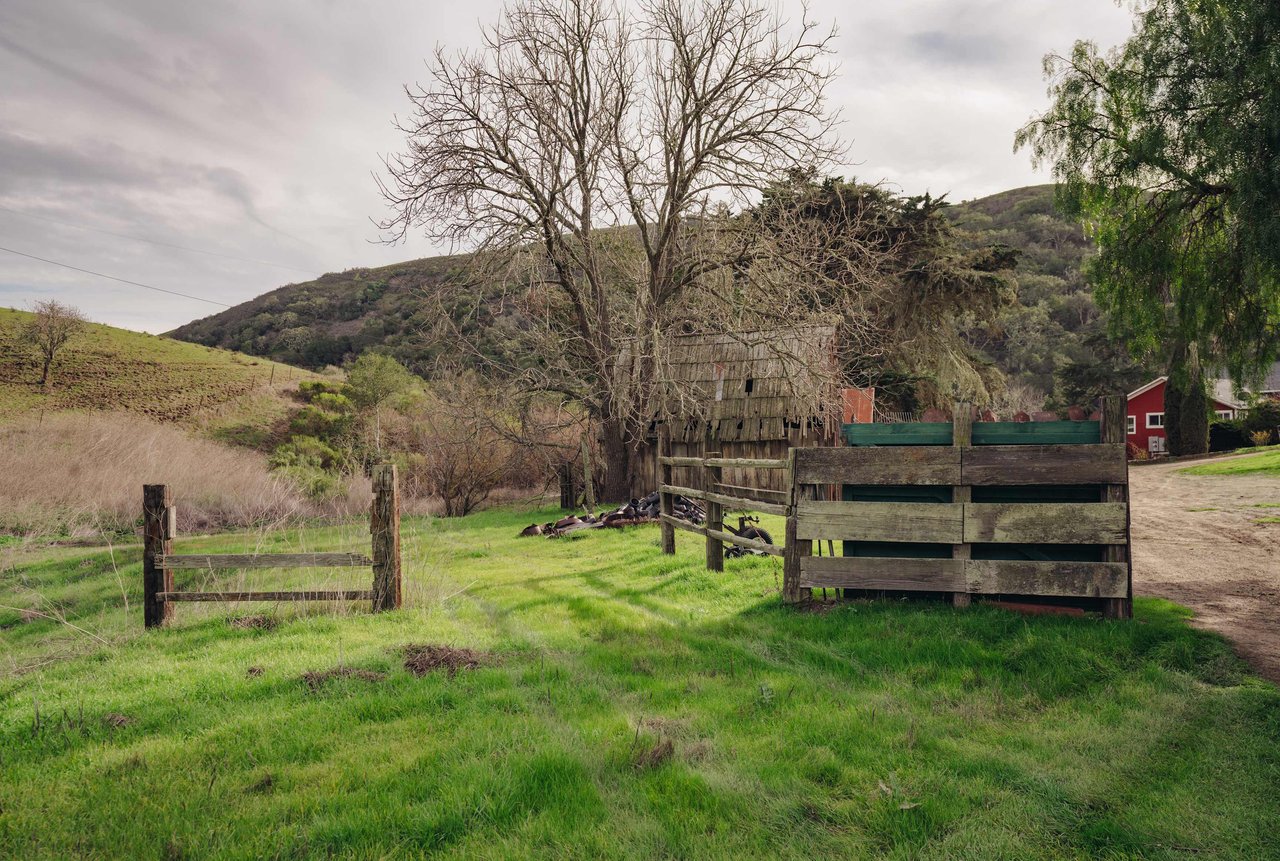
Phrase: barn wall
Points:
(769, 479)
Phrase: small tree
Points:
(458, 448)
(372, 381)
(49, 330)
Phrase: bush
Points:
(309, 390)
(1227, 435)
(1260, 437)
(305, 451)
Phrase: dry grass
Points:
(80, 474)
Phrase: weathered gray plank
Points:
(907, 464)
(746, 463)
(1103, 463)
(264, 560)
(342, 595)
(771, 549)
(853, 572)
(687, 492)
(1064, 579)
(936, 523)
(1046, 522)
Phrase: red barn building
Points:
(1145, 429)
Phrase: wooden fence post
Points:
(791, 550)
(1112, 429)
(715, 514)
(589, 485)
(961, 438)
(384, 524)
(157, 540)
(665, 474)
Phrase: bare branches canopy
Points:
(49, 330)
(595, 143)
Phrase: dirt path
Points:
(1196, 540)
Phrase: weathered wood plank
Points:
(1112, 429)
(341, 595)
(1046, 523)
(673, 460)
(738, 503)
(672, 520)
(752, 492)
(856, 572)
(905, 465)
(1044, 464)
(935, 523)
(666, 505)
(1063, 579)
(263, 560)
(746, 463)
(711, 476)
(677, 490)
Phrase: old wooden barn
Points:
(745, 395)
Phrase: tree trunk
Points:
(617, 461)
(46, 382)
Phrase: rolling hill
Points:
(115, 369)
(339, 315)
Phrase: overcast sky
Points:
(251, 129)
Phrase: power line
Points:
(114, 278)
(154, 241)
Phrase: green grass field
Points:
(116, 369)
(629, 705)
(1267, 463)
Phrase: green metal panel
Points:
(1036, 433)
(906, 433)
(1038, 493)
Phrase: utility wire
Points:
(154, 241)
(114, 278)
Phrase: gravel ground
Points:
(1197, 540)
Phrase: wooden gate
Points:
(159, 562)
(1034, 519)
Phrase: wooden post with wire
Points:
(665, 506)
(157, 541)
(961, 438)
(711, 476)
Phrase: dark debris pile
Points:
(636, 511)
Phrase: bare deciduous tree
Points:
(49, 330)
(595, 146)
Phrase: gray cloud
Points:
(251, 129)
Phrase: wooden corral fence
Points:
(159, 561)
(1032, 519)
(717, 495)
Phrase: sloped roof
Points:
(748, 385)
(1220, 390)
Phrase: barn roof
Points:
(754, 385)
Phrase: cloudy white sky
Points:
(251, 129)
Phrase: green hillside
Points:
(116, 369)
(337, 316)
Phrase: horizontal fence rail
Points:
(265, 560)
(159, 561)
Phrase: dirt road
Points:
(1197, 541)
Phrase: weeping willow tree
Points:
(1168, 147)
(892, 270)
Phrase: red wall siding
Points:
(1152, 401)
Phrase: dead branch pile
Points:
(644, 510)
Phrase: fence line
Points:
(159, 561)
(717, 495)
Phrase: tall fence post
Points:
(1112, 430)
(589, 484)
(791, 550)
(961, 438)
(384, 524)
(157, 540)
(665, 474)
(715, 514)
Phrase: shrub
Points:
(305, 451)
(1261, 437)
